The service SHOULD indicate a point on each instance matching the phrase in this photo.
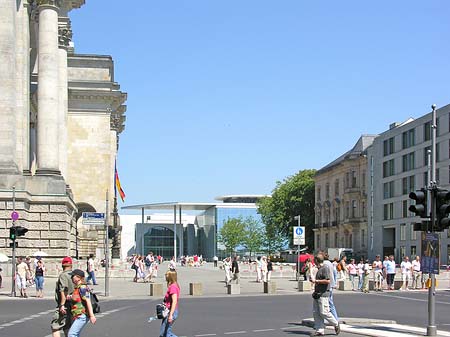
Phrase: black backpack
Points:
(95, 303)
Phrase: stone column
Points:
(48, 83)
(23, 85)
(65, 36)
(8, 104)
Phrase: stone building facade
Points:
(60, 117)
(341, 201)
(399, 162)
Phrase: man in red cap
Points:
(64, 286)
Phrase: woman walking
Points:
(81, 306)
(39, 278)
(171, 302)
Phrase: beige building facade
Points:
(61, 114)
(341, 201)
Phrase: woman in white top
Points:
(264, 269)
(353, 274)
(360, 267)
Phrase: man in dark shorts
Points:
(62, 319)
(321, 305)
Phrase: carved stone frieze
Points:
(55, 3)
(64, 35)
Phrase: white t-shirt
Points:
(360, 268)
(416, 265)
(406, 267)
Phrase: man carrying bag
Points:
(321, 306)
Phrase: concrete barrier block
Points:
(196, 289)
(156, 289)
(345, 285)
(270, 287)
(233, 289)
(304, 285)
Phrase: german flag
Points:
(117, 186)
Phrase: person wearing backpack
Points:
(81, 308)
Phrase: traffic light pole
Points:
(13, 262)
(107, 247)
(431, 327)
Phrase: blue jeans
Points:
(332, 307)
(360, 283)
(91, 276)
(39, 280)
(77, 325)
(166, 328)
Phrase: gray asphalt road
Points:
(260, 316)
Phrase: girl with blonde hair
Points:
(171, 301)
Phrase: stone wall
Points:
(50, 221)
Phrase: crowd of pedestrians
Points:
(382, 273)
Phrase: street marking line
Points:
(263, 330)
(411, 299)
(234, 332)
(205, 335)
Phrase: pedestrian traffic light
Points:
(420, 208)
(111, 232)
(12, 233)
(20, 231)
(442, 209)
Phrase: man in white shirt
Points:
(406, 267)
(417, 274)
(21, 277)
(377, 267)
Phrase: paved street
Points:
(258, 316)
(251, 313)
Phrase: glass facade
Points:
(225, 213)
(159, 240)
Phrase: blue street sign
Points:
(299, 231)
(93, 219)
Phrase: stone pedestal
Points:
(304, 285)
(270, 287)
(156, 289)
(196, 289)
(233, 289)
(345, 285)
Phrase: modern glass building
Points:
(196, 226)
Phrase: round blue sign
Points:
(299, 231)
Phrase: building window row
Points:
(408, 138)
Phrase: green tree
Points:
(291, 197)
(231, 234)
(254, 236)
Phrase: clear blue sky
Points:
(229, 96)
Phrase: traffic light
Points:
(420, 208)
(16, 231)
(111, 232)
(12, 233)
(442, 209)
(20, 231)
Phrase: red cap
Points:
(66, 261)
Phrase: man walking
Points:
(91, 270)
(333, 277)
(321, 304)
(235, 270)
(62, 318)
